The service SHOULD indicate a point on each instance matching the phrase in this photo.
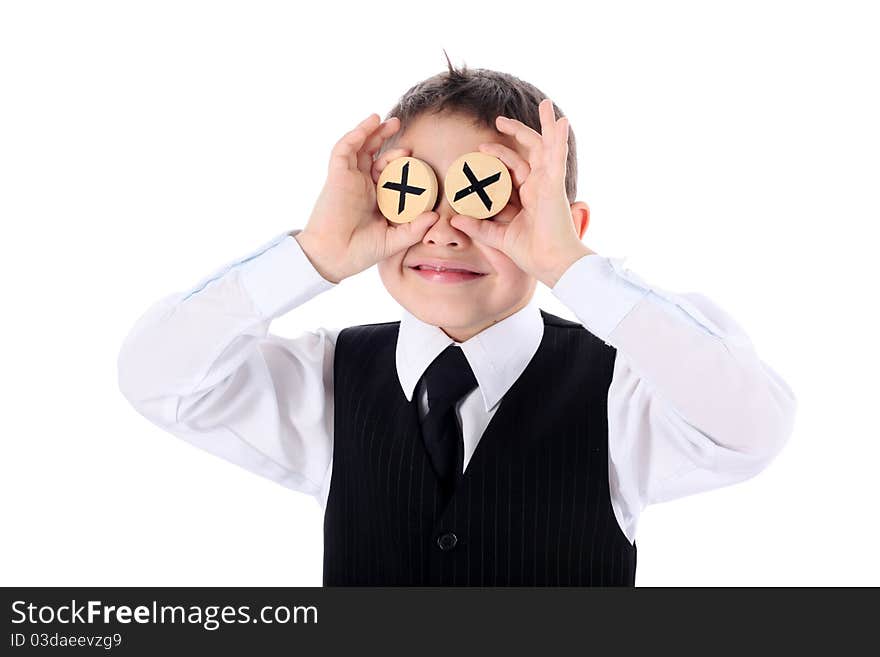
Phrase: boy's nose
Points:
(442, 231)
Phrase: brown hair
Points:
(482, 94)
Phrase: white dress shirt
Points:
(691, 407)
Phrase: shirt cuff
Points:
(599, 292)
(282, 277)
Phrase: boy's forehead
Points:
(441, 138)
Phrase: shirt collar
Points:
(497, 355)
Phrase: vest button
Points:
(447, 541)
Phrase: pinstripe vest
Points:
(533, 507)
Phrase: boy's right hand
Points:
(346, 233)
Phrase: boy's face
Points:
(462, 308)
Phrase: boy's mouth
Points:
(445, 272)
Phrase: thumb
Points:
(402, 236)
(480, 230)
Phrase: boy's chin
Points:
(449, 315)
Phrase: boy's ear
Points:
(580, 214)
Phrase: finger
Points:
(344, 152)
(480, 230)
(383, 160)
(556, 154)
(382, 132)
(401, 236)
(517, 165)
(385, 130)
(523, 134)
(548, 122)
(560, 153)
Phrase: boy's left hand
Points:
(541, 238)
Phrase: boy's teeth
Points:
(443, 269)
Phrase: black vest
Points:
(533, 507)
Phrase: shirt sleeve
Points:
(202, 365)
(691, 406)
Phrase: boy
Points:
(479, 440)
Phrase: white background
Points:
(726, 148)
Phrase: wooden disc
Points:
(478, 185)
(407, 187)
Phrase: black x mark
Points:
(403, 188)
(477, 186)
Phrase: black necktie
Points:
(447, 379)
